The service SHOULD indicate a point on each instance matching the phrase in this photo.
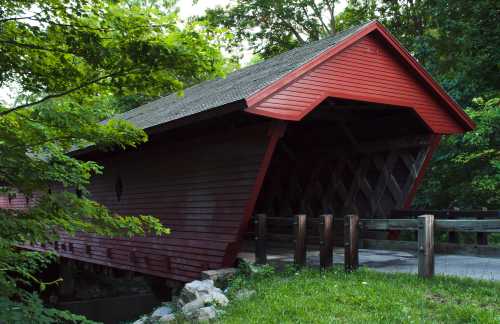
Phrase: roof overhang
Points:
(374, 27)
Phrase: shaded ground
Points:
(393, 261)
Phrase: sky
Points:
(187, 9)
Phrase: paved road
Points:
(392, 261)
(457, 265)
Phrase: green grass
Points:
(312, 296)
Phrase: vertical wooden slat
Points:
(482, 238)
(426, 246)
(351, 235)
(260, 239)
(326, 240)
(300, 239)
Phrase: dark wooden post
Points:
(351, 235)
(326, 240)
(260, 239)
(300, 239)
(482, 238)
(426, 246)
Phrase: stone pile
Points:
(198, 301)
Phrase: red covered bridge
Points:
(345, 123)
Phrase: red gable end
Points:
(368, 66)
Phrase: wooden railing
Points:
(425, 225)
(455, 213)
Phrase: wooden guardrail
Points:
(455, 213)
(425, 225)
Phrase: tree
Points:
(74, 61)
(100, 46)
(465, 171)
(273, 27)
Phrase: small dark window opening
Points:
(119, 188)
(27, 200)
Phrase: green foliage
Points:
(101, 47)
(32, 310)
(364, 296)
(76, 64)
(273, 27)
(465, 171)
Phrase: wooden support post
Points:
(326, 241)
(260, 239)
(300, 239)
(351, 235)
(426, 246)
(482, 238)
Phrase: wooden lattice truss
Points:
(371, 179)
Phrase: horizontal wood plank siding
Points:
(366, 69)
(199, 187)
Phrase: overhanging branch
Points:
(60, 94)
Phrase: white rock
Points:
(192, 306)
(166, 318)
(206, 313)
(216, 297)
(200, 285)
(162, 311)
(140, 320)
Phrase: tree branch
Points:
(294, 31)
(331, 10)
(317, 11)
(60, 94)
(15, 18)
(35, 47)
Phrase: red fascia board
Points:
(253, 101)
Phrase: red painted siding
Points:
(200, 187)
(368, 70)
(18, 201)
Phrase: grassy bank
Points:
(311, 296)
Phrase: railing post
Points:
(482, 238)
(426, 246)
(300, 239)
(351, 235)
(260, 239)
(326, 241)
